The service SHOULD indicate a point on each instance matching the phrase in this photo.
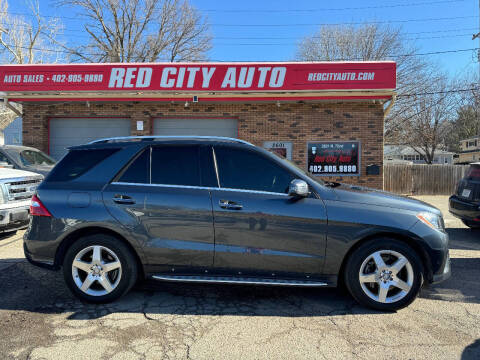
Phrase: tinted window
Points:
(78, 162)
(176, 165)
(240, 169)
(139, 169)
(207, 167)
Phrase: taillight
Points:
(37, 208)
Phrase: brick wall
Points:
(298, 123)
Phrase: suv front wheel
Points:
(384, 274)
(99, 268)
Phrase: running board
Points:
(238, 280)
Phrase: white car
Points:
(16, 189)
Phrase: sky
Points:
(255, 30)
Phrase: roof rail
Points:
(153, 137)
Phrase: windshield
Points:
(291, 164)
(32, 157)
(473, 173)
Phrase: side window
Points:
(176, 165)
(139, 170)
(78, 162)
(241, 169)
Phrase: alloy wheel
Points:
(386, 276)
(96, 270)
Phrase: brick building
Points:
(326, 117)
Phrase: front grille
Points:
(22, 189)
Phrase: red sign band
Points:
(202, 77)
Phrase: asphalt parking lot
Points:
(40, 319)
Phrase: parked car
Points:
(25, 158)
(465, 203)
(16, 189)
(220, 210)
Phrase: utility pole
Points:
(477, 95)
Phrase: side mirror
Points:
(298, 188)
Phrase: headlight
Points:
(431, 219)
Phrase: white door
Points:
(198, 127)
(68, 132)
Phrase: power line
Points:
(333, 9)
(350, 23)
(320, 37)
(349, 59)
(269, 11)
(308, 24)
(439, 92)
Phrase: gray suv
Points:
(220, 210)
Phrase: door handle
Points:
(123, 199)
(231, 205)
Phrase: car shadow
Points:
(462, 286)
(464, 238)
(28, 288)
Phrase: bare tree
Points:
(371, 42)
(26, 40)
(466, 123)
(141, 31)
(425, 126)
(30, 39)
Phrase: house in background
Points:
(469, 150)
(13, 132)
(395, 154)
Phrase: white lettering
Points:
(129, 76)
(181, 76)
(144, 77)
(263, 75)
(277, 77)
(229, 79)
(245, 79)
(116, 77)
(207, 75)
(191, 76)
(165, 81)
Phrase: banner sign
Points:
(334, 158)
(207, 77)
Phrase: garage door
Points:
(76, 131)
(199, 127)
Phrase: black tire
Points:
(128, 274)
(471, 224)
(356, 259)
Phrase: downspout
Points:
(11, 107)
(390, 105)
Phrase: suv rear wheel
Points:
(384, 274)
(99, 268)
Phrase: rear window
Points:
(473, 173)
(78, 162)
